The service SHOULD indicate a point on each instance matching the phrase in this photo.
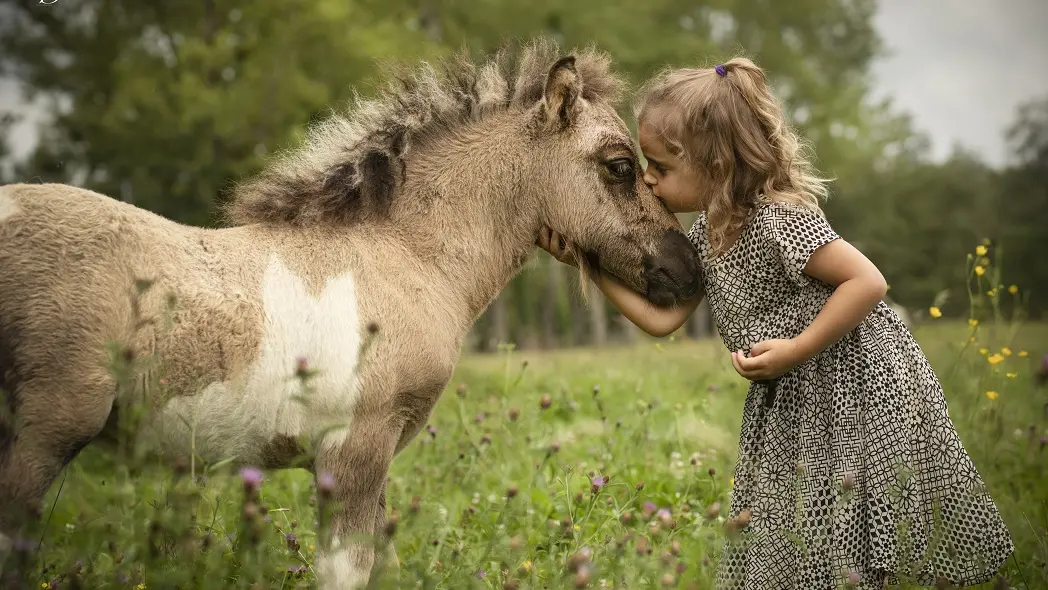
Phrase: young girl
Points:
(850, 470)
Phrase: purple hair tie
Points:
(721, 70)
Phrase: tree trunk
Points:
(554, 283)
(598, 323)
(701, 323)
(499, 333)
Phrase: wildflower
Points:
(512, 491)
(992, 292)
(712, 471)
(432, 430)
(971, 339)
(1023, 353)
(713, 511)
(979, 270)
(1006, 351)
(849, 481)
(935, 312)
(545, 402)
(526, 566)
(980, 250)
(252, 478)
(626, 517)
(292, 542)
(731, 482)
(1011, 375)
(1013, 289)
(984, 351)
(302, 367)
(973, 322)
(481, 574)
(992, 395)
(514, 413)
(985, 261)
(994, 358)
(648, 509)
(597, 483)
(664, 516)
(325, 482)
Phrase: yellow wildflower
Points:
(971, 339)
(980, 250)
(983, 351)
(979, 270)
(1013, 289)
(577, 528)
(1023, 353)
(1011, 375)
(973, 322)
(985, 261)
(1006, 351)
(312, 548)
(526, 565)
(991, 395)
(995, 358)
(731, 482)
(935, 312)
(992, 292)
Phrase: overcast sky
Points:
(960, 67)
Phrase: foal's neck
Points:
(480, 226)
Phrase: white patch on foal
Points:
(236, 417)
(8, 206)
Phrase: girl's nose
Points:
(649, 179)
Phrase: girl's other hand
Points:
(557, 246)
(767, 360)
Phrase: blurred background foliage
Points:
(165, 104)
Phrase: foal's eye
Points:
(621, 168)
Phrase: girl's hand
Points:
(557, 246)
(768, 359)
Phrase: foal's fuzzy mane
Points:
(350, 165)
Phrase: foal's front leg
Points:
(351, 477)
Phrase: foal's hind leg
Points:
(49, 436)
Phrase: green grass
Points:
(660, 420)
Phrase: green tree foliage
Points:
(168, 104)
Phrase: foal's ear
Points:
(560, 96)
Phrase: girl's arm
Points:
(655, 320)
(859, 286)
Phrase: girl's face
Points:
(674, 182)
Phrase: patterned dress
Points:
(849, 464)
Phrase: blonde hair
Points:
(725, 123)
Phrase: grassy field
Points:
(500, 491)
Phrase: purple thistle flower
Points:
(481, 574)
(325, 483)
(648, 509)
(252, 477)
(597, 482)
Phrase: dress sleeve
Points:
(695, 232)
(796, 233)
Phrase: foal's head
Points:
(590, 187)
